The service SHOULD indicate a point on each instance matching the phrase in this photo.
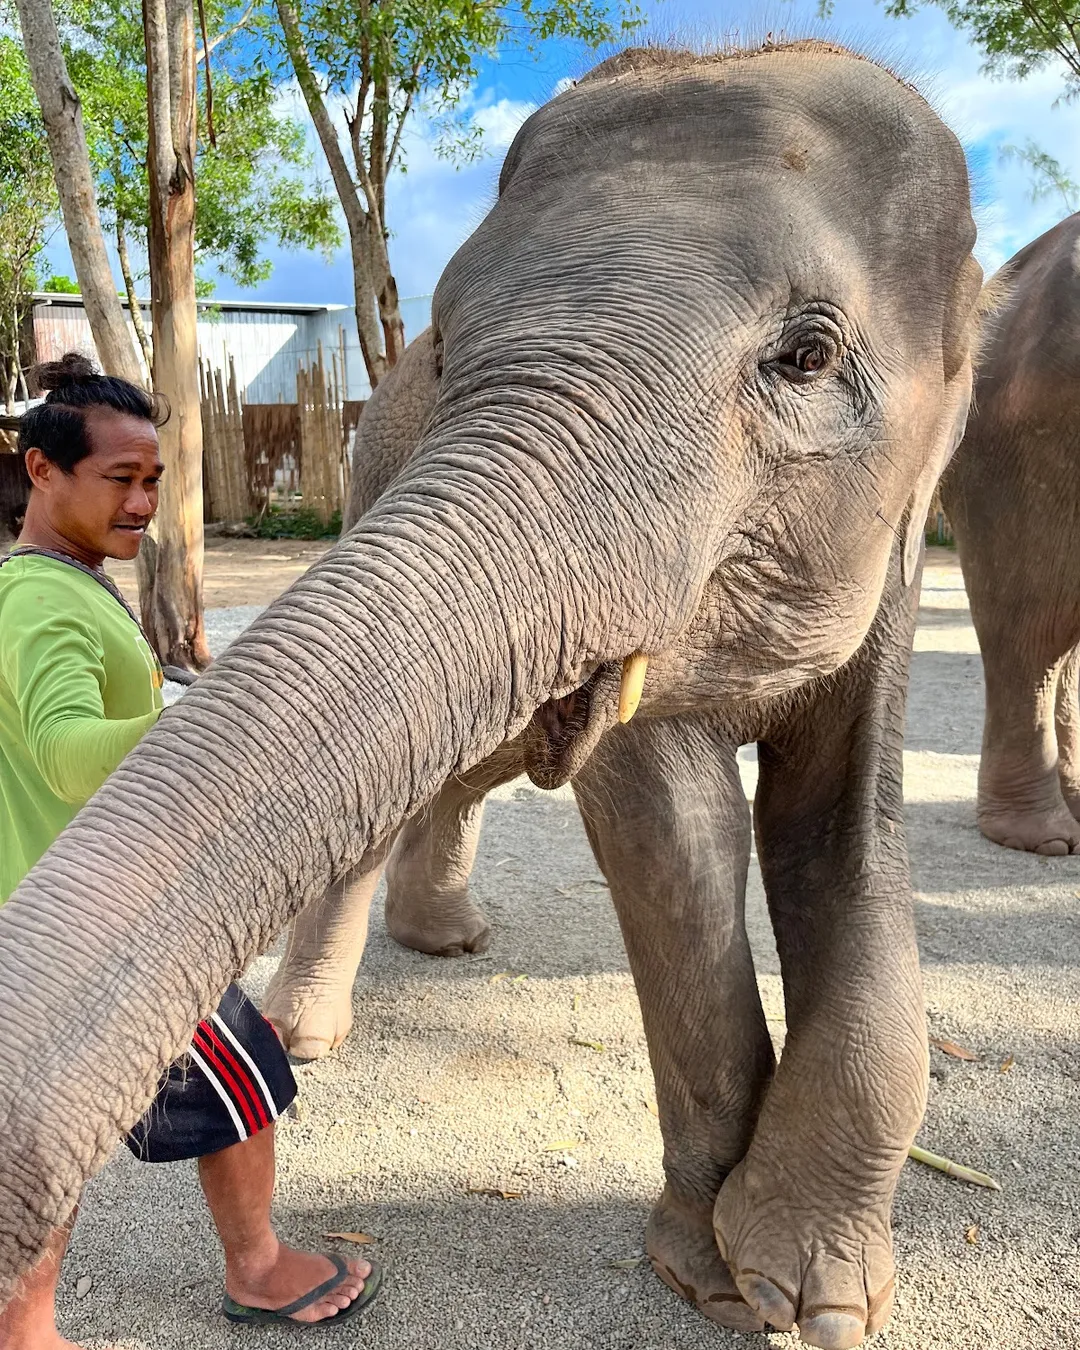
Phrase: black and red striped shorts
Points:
(234, 1081)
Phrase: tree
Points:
(1018, 37)
(1048, 177)
(60, 285)
(172, 610)
(62, 115)
(250, 160)
(385, 58)
(27, 204)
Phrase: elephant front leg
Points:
(428, 906)
(309, 999)
(804, 1219)
(669, 824)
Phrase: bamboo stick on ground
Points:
(953, 1169)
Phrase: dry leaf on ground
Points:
(361, 1239)
(495, 1191)
(1007, 1064)
(972, 1234)
(951, 1048)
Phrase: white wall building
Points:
(266, 340)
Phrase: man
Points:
(79, 685)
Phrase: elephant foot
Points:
(311, 1025)
(1053, 830)
(829, 1270)
(682, 1249)
(441, 926)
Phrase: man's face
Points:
(105, 504)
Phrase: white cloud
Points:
(501, 121)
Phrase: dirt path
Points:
(242, 571)
(462, 1075)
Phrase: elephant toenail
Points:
(833, 1330)
(767, 1299)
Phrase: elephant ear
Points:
(951, 433)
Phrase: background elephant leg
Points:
(805, 1219)
(1015, 529)
(1020, 787)
(668, 821)
(428, 907)
(309, 998)
(1068, 731)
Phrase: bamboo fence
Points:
(226, 482)
(256, 455)
(324, 460)
(272, 453)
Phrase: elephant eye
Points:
(809, 359)
(809, 351)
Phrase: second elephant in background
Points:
(1012, 496)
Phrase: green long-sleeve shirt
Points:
(79, 686)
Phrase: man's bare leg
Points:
(260, 1271)
(29, 1320)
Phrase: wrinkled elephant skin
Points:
(687, 392)
(1013, 498)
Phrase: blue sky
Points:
(433, 207)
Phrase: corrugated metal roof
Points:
(256, 306)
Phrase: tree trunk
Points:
(133, 303)
(62, 114)
(172, 608)
(369, 279)
(364, 299)
(385, 287)
(373, 180)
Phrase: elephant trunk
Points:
(414, 648)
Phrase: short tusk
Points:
(633, 682)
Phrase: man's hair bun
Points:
(73, 368)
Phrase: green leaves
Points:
(1017, 37)
(27, 202)
(1048, 177)
(387, 56)
(255, 186)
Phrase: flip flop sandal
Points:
(237, 1312)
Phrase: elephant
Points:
(669, 445)
(1012, 500)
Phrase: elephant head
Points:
(695, 371)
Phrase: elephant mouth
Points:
(564, 731)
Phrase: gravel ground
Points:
(455, 1079)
